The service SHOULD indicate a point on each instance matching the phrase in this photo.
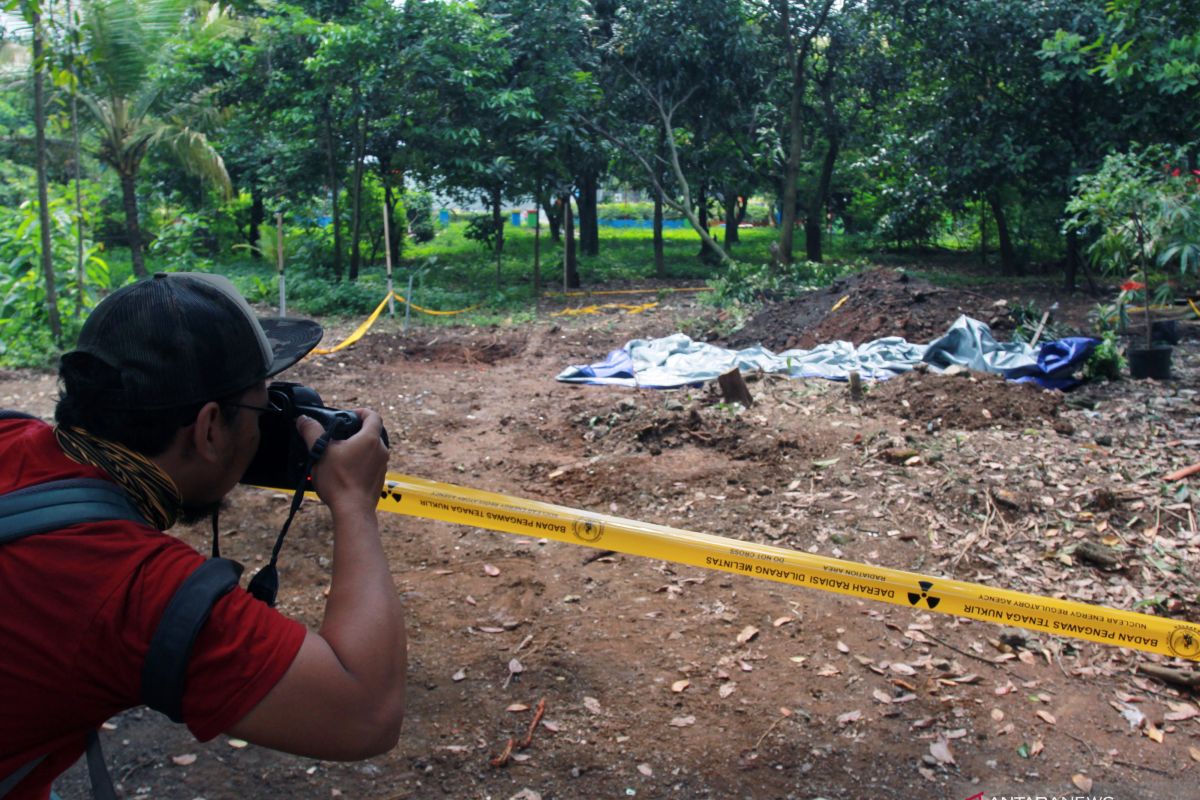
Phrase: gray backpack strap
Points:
(10, 783)
(59, 504)
(164, 671)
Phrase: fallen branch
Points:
(1188, 679)
(1180, 474)
(538, 713)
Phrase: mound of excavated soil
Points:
(866, 306)
(968, 401)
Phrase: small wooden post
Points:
(279, 264)
(387, 249)
(734, 389)
(855, 385)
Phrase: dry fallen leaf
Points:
(997, 714)
(1037, 747)
(683, 722)
(679, 686)
(238, 743)
(516, 707)
(1180, 712)
(1047, 717)
(882, 696)
(490, 570)
(515, 666)
(645, 770)
(459, 676)
(941, 751)
(184, 760)
(901, 668)
(1154, 733)
(842, 648)
(747, 634)
(727, 689)
(1082, 782)
(848, 717)
(780, 621)
(1194, 752)
(591, 704)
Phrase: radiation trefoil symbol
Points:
(915, 598)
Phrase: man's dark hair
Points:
(86, 388)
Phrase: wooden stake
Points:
(734, 389)
(856, 392)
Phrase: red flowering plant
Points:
(1144, 220)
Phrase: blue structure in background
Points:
(642, 223)
(444, 217)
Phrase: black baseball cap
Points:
(187, 337)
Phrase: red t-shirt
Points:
(78, 608)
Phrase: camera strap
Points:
(265, 583)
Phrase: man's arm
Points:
(343, 696)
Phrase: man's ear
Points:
(208, 434)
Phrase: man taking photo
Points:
(161, 399)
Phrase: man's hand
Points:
(351, 471)
(343, 696)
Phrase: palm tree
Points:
(129, 44)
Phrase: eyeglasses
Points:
(271, 407)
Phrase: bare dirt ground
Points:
(654, 684)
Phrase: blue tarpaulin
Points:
(676, 360)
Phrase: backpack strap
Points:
(165, 668)
(59, 504)
(10, 782)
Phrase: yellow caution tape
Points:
(430, 311)
(418, 497)
(596, 309)
(631, 291)
(358, 332)
(839, 303)
(1193, 305)
(362, 329)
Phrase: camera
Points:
(282, 454)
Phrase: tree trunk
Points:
(816, 212)
(43, 192)
(570, 263)
(794, 146)
(537, 257)
(331, 172)
(589, 223)
(554, 217)
(390, 199)
(133, 231)
(258, 215)
(983, 245)
(497, 226)
(731, 219)
(660, 261)
(360, 146)
(1008, 256)
(77, 167)
(1072, 260)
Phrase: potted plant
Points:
(1144, 212)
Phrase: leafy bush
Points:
(419, 206)
(744, 283)
(320, 297)
(482, 229)
(25, 336)
(1144, 213)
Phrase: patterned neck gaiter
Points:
(151, 490)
